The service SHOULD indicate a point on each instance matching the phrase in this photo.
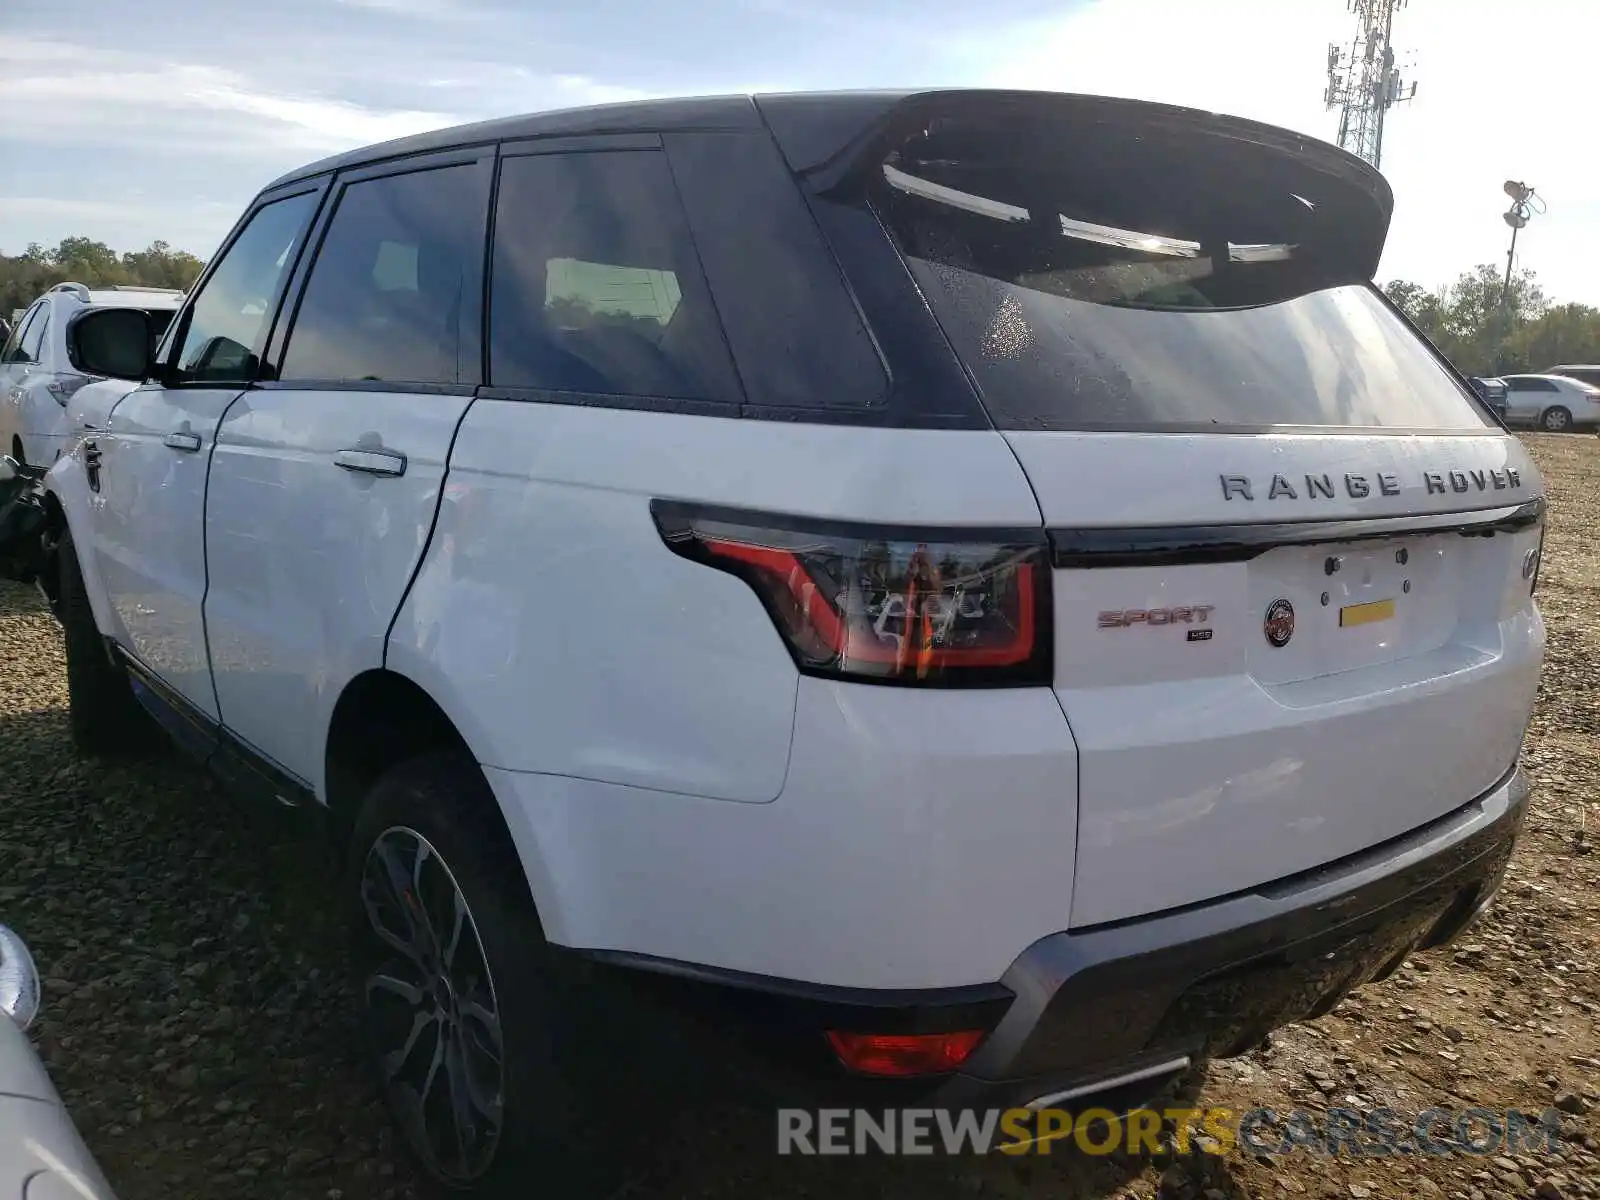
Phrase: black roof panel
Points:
(640, 116)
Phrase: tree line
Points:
(94, 264)
(1467, 322)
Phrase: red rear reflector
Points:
(904, 1053)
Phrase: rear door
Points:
(326, 477)
(1292, 556)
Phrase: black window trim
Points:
(487, 157)
(163, 371)
(582, 143)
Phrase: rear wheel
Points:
(1555, 420)
(16, 451)
(103, 715)
(467, 1028)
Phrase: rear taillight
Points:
(944, 609)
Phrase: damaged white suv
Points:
(978, 587)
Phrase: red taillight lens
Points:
(904, 1054)
(888, 606)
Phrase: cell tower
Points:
(1364, 79)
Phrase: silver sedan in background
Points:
(1554, 403)
(42, 1157)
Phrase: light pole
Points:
(1517, 216)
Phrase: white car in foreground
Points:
(976, 589)
(42, 1156)
(39, 362)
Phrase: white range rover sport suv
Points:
(975, 589)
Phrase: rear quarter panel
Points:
(553, 623)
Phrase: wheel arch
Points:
(65, 503)
(382, 718)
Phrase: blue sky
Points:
(129, 122)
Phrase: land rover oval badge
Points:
(1279, 623)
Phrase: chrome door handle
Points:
(371, 462)
(181, 441)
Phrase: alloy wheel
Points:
(432, 1014)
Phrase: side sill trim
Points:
(238, 763)
(1174, 545)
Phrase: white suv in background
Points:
(37, 369)
(975, 589)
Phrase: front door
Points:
(149, 512)
(325, 480)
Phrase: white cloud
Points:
(76, 96)
(1501, 93)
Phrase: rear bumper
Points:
(1108, 1014)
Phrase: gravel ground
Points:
(200, 1028)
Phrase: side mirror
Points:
(117, 342)
(10, 468)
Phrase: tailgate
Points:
(1260, 686)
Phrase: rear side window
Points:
(392, 295)
(794, 329)
(596, 285)
(1154, 277)
(1530, 383)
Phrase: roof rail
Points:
(77, 289)
(137, 287)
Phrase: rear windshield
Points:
(1151, 279)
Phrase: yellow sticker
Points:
(1365, 614)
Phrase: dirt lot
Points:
(200, 1028)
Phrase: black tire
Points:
(549, 1124)
(103, 716)
(1555, 419)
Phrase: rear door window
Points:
(597, 288)
(1102, 277)
(394, 292)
